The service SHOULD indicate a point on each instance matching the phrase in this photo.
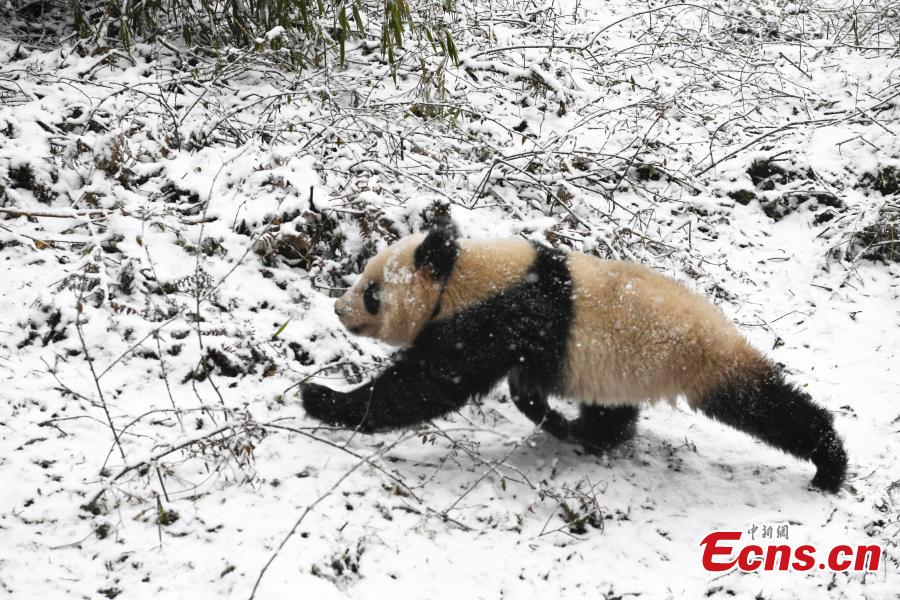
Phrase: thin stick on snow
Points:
(231, 425)
(308, 509)
(394, 477)
(90, 362)
(53, 214)
(494, 465)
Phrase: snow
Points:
(275, 32)
(220, 197)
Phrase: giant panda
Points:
(609, 334)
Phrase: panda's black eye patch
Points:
(372, 297)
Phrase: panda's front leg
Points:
(409, 392)
(334, 407)
(391, 401)
(597, 428)
(532, 402)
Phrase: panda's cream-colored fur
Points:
(483, 269)
(636, 335)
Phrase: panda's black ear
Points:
(438, 251)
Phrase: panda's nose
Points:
(338, 310)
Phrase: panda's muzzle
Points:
(349, 316)
(343, 308)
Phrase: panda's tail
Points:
(782, 415)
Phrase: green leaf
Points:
(280, 329)
(357, 17)
(396, 23)
(342, 19)
(451, 50)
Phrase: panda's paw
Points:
(830, 459)
(321, 403)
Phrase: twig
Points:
(309, 508)
(232, 425)
(90, 362)
(53, 214)
(493, 469)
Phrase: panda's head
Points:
(400, 288)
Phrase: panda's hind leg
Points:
(601, 428)
(783, 416)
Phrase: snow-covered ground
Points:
(176, 227)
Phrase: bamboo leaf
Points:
(280, 329)
(357, 17)
(342, 19)
(451, 49)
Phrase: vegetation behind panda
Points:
(609, 334)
